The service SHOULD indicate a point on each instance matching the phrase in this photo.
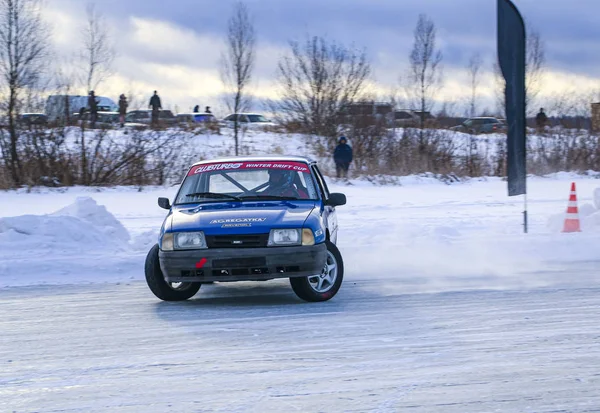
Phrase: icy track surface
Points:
(446, 307)
(248, 348)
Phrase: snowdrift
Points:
(81, 243)
(80, 227)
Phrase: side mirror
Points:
(164, 203)
(336, 199)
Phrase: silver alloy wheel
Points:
(324, 282)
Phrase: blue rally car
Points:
(249, 219)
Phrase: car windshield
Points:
(247, 181)
(257, 118)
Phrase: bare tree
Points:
(65, 80)
(98, 52)
(424, 78)
(97, 56)
(237, 63)
(317, 80)
(23, 50)
(474, 68)
(535, 65)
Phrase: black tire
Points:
(158, 285)
(303, 286)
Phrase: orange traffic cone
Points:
(572, 223)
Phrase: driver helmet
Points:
(281, 178)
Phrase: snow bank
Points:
(86, 209)
(59, 234)
(81, 226)
(82, 242)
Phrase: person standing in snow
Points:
(122, 108)
(197, 109)
(342, 156)
(541, 119)
(207, 110)
(156, 106)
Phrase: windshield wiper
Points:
(213, 195)
(274, 197)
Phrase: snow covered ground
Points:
(446, 307)
(422, 236)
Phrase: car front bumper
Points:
(242, 264)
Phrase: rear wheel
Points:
(323, 286)
(161, 288)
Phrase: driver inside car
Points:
(286, 184)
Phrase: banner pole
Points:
(525, 216)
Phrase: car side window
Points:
(321, 182)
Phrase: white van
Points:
(59, 107)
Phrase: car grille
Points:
(237, 241)
(240, 262)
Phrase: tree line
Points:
(317, 77)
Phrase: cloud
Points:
(175, 46)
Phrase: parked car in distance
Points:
(479, 125)
(249, 219)
(58, 107)
(191, 118)
(30, 119)
(405, 119)
(104, 119)
(165, 117)
(248, 120)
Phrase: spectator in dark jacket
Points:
(156, 106)
(93, 105)
(541, 119)
(207, 110)
(122, 109)
(342, 156)
(197, 109)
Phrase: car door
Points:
(328, 212)
(478, 125)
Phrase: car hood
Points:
(240, 217)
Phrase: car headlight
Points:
(285, 237)
(291, 237)
(189, 241)
(167, 242)
(308, 238)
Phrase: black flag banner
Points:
(511, 57)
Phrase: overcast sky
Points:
(174, 46)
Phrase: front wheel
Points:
(323, 286)
(162, 289)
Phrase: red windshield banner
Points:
(232, 166)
